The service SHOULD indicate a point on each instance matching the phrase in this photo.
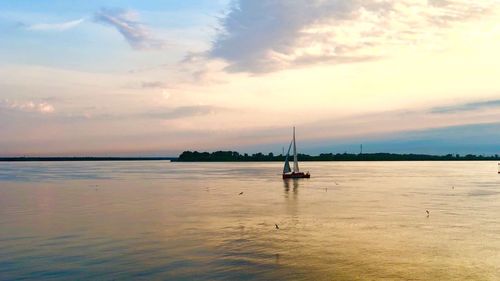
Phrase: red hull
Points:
(296, 176)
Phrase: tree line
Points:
(234, 156)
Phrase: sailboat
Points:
(294, 173)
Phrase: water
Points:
(187, 221)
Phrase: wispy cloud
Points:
(61, 26)
(28, 106)
(183, 112)
(168, 113)
(153, 85)
(467, 106)
(127, 23)
(269, 35)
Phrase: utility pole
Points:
(361, 149)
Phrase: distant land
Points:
(233, 156)
(34, 159)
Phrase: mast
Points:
(295, 162)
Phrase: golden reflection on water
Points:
(210, 221)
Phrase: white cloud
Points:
(127, 23)
(29, 106)
(55, 26)
(268, 35)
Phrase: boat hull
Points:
(299, 175)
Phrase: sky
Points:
(130, 78)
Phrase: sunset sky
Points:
(159, 77)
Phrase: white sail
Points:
(295, 162)
(286, 168)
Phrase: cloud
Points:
(373, 126)
(127, 23)
(471, 138)
(29, 106)
(467, 107)
(183, 112)
(55, 26)
(153, 85)
(269, 35)
(170, 113)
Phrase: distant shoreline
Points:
(66, 159)
(233, 156)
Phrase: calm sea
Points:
(188, 221)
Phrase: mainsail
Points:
(286, 168)
(295, 162)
